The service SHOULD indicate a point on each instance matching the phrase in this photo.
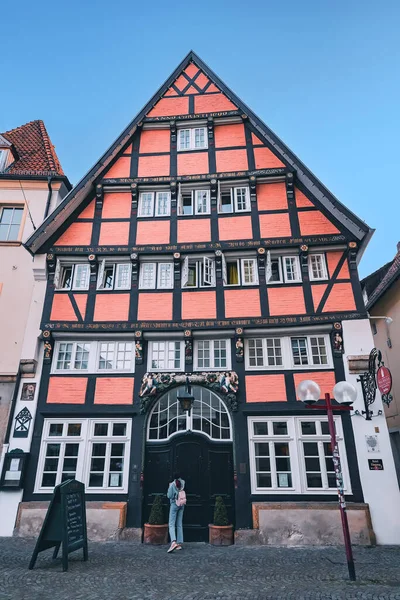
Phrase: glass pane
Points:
(264, 480)
(115, 480)
(314, 480)
(325, 427)
(99, 450)
(280, 428)
(56, 429)
(116, 464)
(263, 464)
(281, 449)
(260, 428)
(308, 428)
(331, 480)
(283, 464)
(69, 464)
(53, 450)
(284, 480)
(119, 429)
(117, 449)
(262, 449)
(312, 464)
(51, 464)
(74, 429)
(97, 464)
(71, 449)
(6, 215)
(49, 479)
(96, 480)
(310, 448)
(100, 429)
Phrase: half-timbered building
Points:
(200, 250)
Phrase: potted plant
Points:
(221, 533)
(156, 530)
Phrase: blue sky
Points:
(325, 76)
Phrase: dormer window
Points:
(3, 159)
(194, 138)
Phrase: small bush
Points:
(157, 512)
(220, 512)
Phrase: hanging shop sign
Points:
(384, 382)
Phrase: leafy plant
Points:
(220, 512)
(157, 512)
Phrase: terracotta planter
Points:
(221, 535)
(155, 534)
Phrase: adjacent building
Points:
(199, 249)
(32, 184)
(382, 296)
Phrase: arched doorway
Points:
(199, 446)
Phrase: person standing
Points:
(177, 499)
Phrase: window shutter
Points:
(180, 200)
(81, 277)
(100, 277)
(185, 272)
(224, 271)
(207, 270)
(268, 268)
(57, 274)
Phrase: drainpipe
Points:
(46, 212)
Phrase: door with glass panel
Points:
(199, 447)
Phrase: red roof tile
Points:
(36, 153)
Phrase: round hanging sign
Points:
(384, 380)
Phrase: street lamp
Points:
(186, 398)
(345, 394)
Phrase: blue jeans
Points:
(175, 523)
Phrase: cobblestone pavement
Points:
(124, 571)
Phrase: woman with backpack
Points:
(177, 499)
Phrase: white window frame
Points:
(295, 440)
(116, 271)
(194, 210)
(192, 139)
(324, 270)
(12, 207)
(156, 279)
(114, 368)
(296, 262)
(141, 212)
(212, 349)
(247, 207)
(240, 267)
(224, 191)
(85, 441)
(157, 204)
(58, 274)
(94, 352)
(281, 280)
(287, 354)
(151, 348)
(201, 272)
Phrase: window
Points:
(238, 197)
(309, 351)
(95, 452)
(288, 352)
(72, 276)
(156, 275)
(114, 276)
(209, 416)
(198, 272)
(10, 222)
(317, 267)
(193, 202)
(115, 356)
(283, 269)
(239, 271)
(156, 204)
(294, 455)
(94, 356)
(265, 352)
(165, 356)
(192, 139)
(4, 156)
(212, 354)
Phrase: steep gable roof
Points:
(194, 79)
(34, 152)
(391, 273)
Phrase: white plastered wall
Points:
(380, 488)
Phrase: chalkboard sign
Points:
(65, 523)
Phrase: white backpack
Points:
(181, 499)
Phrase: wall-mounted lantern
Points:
(12, 477)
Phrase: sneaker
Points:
(172, 547)
(178, 547)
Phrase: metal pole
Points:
(339, 485)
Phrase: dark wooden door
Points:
(207, 468)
